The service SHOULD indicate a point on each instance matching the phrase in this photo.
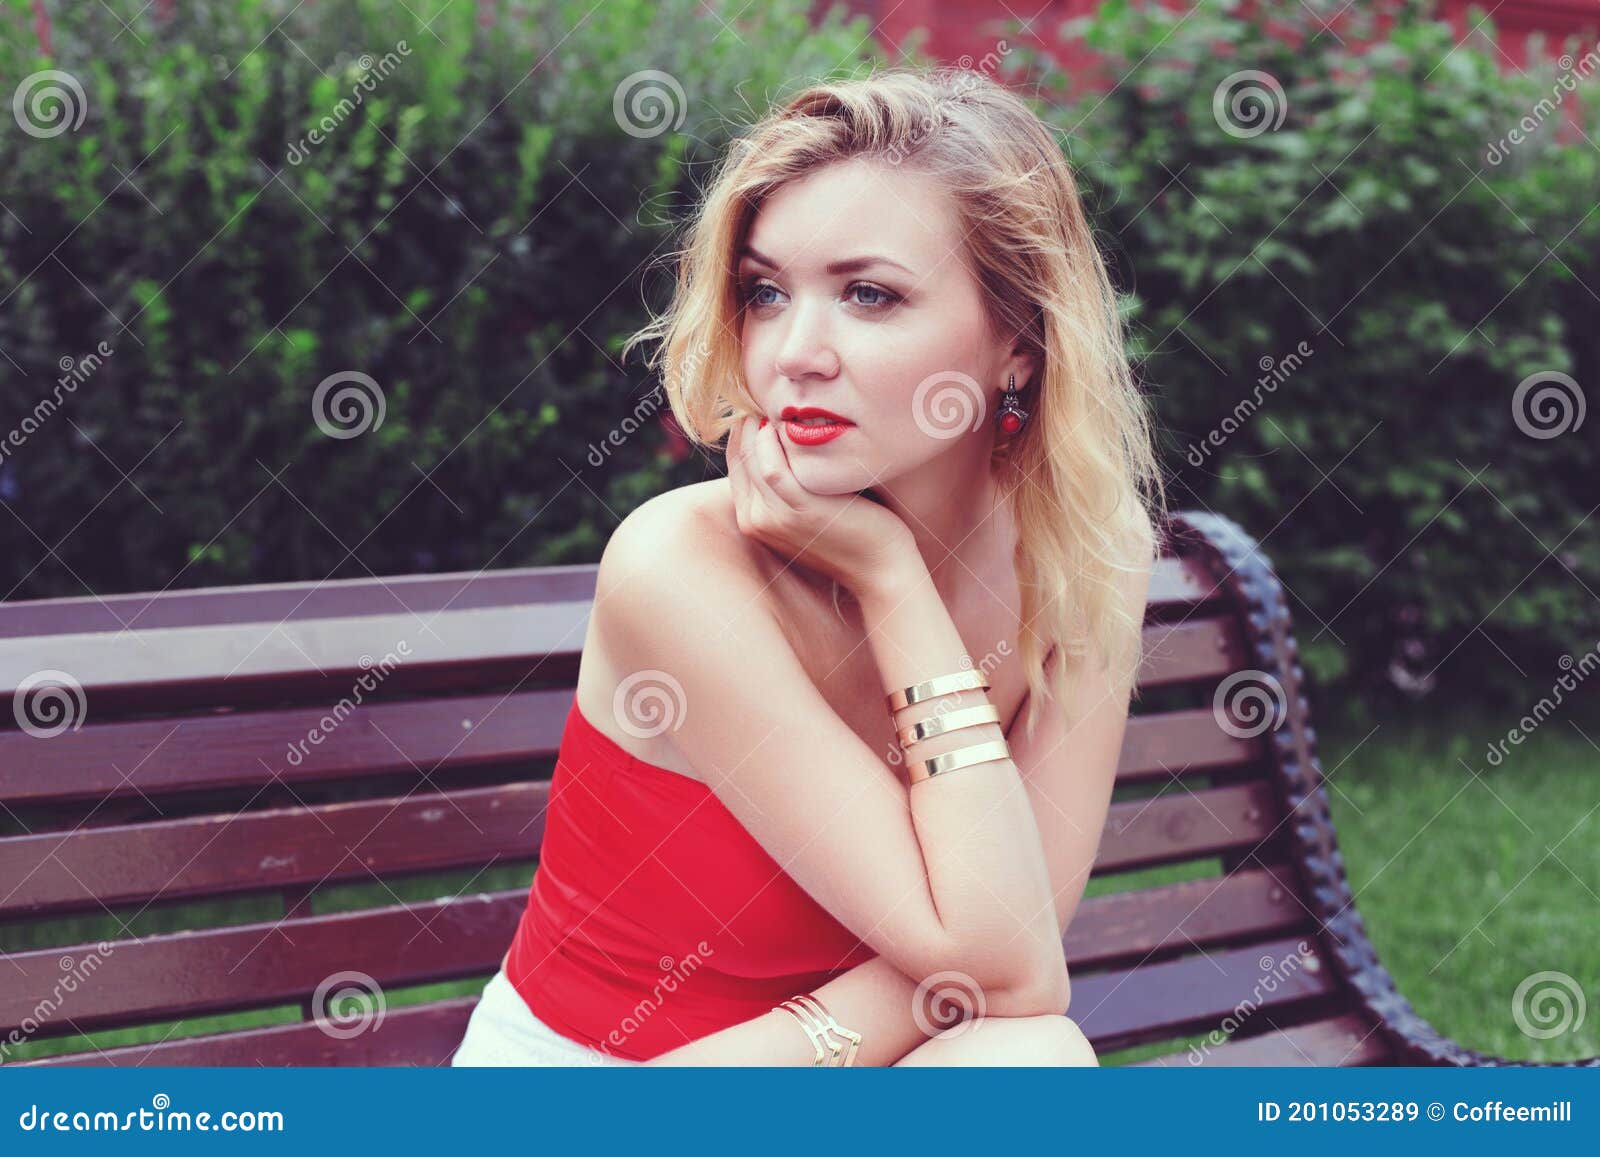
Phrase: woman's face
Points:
(858, 300)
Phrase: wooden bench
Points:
(175, 782)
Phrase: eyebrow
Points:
(849, 265)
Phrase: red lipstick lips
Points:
(809, 426)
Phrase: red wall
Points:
(965, 27)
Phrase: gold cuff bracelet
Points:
(968, 680)
(820, 1028)
(961, 757)
(949, 721)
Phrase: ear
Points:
(1025, 365)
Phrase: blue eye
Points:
(884, 296)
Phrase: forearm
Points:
(987, 871)
(892, 1013)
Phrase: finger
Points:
(769, 469)
(738, 475)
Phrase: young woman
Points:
(941, 508)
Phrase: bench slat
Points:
(151, 757)
(226, 969)
(285, 847)
(1335, 1042)
(424, 1034)
(256, 662)
(248, 749)
(1156, 1001)
(322, 659)
(181, 859)
(1128, 928)
(1174, 584)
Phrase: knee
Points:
(1070, 1045)
(1052, 1040)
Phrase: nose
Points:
(806, 349)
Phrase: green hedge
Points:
(1431, 534)
(262, 195)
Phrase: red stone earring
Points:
(1011, 416)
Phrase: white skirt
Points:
(503, 1032)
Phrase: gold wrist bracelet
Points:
(968, 680)
(949, 721)
(820, 1028)
(961, 757)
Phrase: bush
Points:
(262, 195)
(1407, 493)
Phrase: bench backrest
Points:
(264, 745)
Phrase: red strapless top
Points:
(654, 917)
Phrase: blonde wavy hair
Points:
(1082, 476)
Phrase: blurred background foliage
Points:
(479, 234)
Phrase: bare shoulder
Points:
(691, 528)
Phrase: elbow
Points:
(996, 985)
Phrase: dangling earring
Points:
(1011, 416)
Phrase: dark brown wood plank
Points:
(1175, 582)
(1337, 1041)
(1190, 651)
(208, 855)
(255, 965)
(150, 757)
(247, 662)
(1159, 746)
(1131, 928)
(1185, 824)
(422, 1034)
(326, 599)
(1157, 1001)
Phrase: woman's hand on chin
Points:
(858, 542)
